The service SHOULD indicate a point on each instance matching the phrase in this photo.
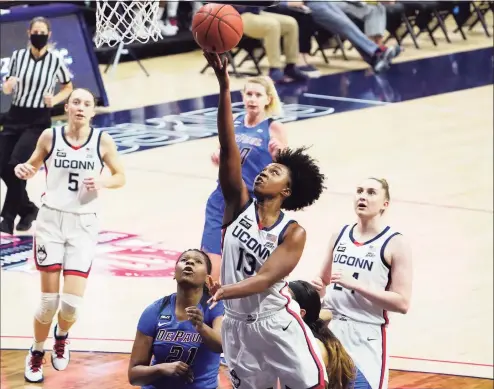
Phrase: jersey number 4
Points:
(176, 353)
(73, 182)
(337, 287)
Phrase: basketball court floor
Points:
(426, 126)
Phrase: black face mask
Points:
(39, 41)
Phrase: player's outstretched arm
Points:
(230, 166)
(397, 297)
(278, 266)
(28, 169)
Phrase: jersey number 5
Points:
(250, 263)
(176, 353)
(337, 287)
(73, 182)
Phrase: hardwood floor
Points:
(109, 371)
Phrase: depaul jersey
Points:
(245, 249)
(253, 143)
(365, 262)
(66, 168)
(175, 340)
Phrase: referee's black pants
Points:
(21, 130)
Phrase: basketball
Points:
(217, 27)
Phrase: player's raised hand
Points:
(175, 369)
(195, 316)
(24, 171)
(220, 67)
(92, 184)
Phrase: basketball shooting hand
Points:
(24, 171)
(196, 317)
(345, 280)
(92, 184)
(220, 67)
(48, 99)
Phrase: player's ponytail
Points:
(341, 369)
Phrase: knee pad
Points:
(70, 305)
(48, 307)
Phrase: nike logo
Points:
(161, 323)
(285, 328)
(369, 339)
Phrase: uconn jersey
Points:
(365, 262)
(66, 168)
(245, 249)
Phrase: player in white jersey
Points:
(367, 273)
(67, 224)
(263, 335)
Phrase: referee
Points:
(33, 74)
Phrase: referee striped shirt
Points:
(35, 77)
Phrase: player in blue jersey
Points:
(180, 333)
(258, 138)
(342, 372)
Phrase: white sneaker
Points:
(167, 29)
(60, 356)
(33, 370)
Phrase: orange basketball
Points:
(217, 27)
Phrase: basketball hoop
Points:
(123, 22)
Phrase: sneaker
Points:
(60, 356)
(33, 370)
(26, 221)
(308, 69)
(381, 60)
(167, 29)
(293, 72)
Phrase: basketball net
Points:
(123, 22)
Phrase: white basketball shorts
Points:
(275, 346)
(65, 241)
(366, 344)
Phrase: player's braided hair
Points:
(205, 290)
(307, 182)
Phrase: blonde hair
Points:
(274, 106)
(385, 187)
